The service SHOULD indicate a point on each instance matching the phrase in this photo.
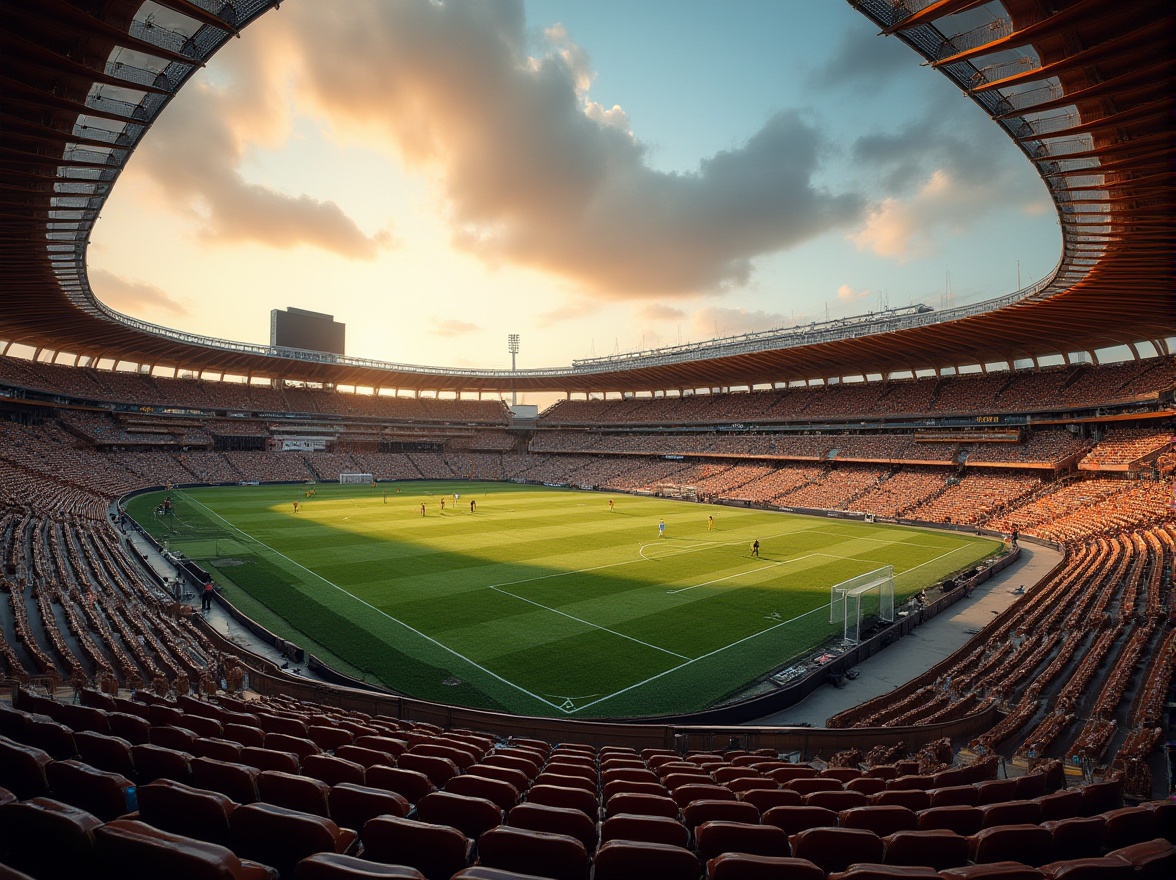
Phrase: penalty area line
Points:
(700, 657)
(411, 629)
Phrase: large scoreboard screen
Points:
(312, 331)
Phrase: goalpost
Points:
(355, 478)
(867, 595)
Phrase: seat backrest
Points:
(556, 856)
(626, 859)
(744, 866)
(654, 829)
(182, 809)
(1090, 868)
(911, 798)
(616, 786)
(285, 742)
(1153, 860)
(434, 850)
(132, 728)
(835, 849)
(1128, 825)
(215, 747)
(881, 820)
(717, 837)
(766, 798)
(561, 796)
(179, 738)
(333, 770)
(886, 872)
(516, 778)
(302, 793)
(97, 791)
(411, 784)
(807, 785)
(641, 805)
(1028, 844)
(837, 800)
(796, 819)
(157, 762)
(105, 752)
(1015, 812)
(439, 769)
(353, 805)
(938, 849)
(337, 866)
(955, 795)
(557, 820)
(270, 759)
(237, 781)
(54, 737)
(47, 838)
(157, 853)
(280, 837)
(684, 794)
(1063, 804)
(697, 812)
(962, 819)
(469, 815)
(1076, 837)
(1099, 797)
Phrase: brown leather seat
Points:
(962, 820)
(627, 859)
(837, 801)
(501, 793)
(410, 784)
(556, 856)
(270, 759)
(179, 738)
(560, 796)
(885, 872)
(717, 837)
(1060, 804)
(793, 820)
(50, 839)
(182, 809)
(938, 849)
(556, 820)
(641, 805)
(881, 820)
(97, 791)
(280, 837)
(111, 753)
(285, 742)
(1128, 825)
(22, 769)
(156, 853)
(1027, 844)
(1099, 797)
(215, 747)
(954, 796)
(333, 770)
(835, 849)
(1153, 860)
(302, 793)
(335, 866)
(1091, 868)
(1015, 812)
(52, 736)
(132, 728)
(469, 815)
(912, 798)
(765, 799)
(697, 812)
(156, 762)
(653, 829)
(745, 866)
(808, 785)
(1077, 837)
(329, 738)
(867, 785)
(353, 805)
(237, 781)
(993, 871)
(516, 778)
(437, 851)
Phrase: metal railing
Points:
(977, 37)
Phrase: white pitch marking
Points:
(379, 611)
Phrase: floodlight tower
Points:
(512, 344)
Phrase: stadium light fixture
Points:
(512, 345)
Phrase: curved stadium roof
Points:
(1091, 107)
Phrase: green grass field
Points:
(543, 601)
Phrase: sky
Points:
(598, 177)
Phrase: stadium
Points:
(275, 611)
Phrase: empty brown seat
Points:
(1010, 813)
(796, 819)
(1030, 785)
(1099, 797)
(954, 796)
(439, 770)
(867, 785)
(156, 762)
(353, 805)
(1153, 860)
(460, 757)
(52, 736)
(53, 840)
(765, 799)
(697, 812)
(161, 715)
(215, 747)
(156, 853)
(1164, 813)
(182, 809)
(437, 851)
(503, 794)
(835, 849)
(469, 815)
(885, 872)
(280, 837)
(336, 866)
(1091, 868)
(556, 856)
(745, 866)
(333, 770)
(548, 777)
(79, 718)
(993, 871)
(1027, 844)
(938, 849)
(557, 820)
(97, 791)
(627, 859)
(685, 794)
(329, 738)
(302, 793)
(638, 773)
(792, 771)
(845, 774)
(1063, 804)
(132, 728)
(22, 768)
(203, 727)
(284, 742)
(245, 734)
(652, 829)
(270, 759)
(911, 782)
(749, 783)
(617, 786)
(717, 837)
(179, 738)
(561, 796)
(911, 798)
(272, 723)
(517, 778)
(993, 791)
(515, 761)
(641, 805)
(880, 820)
(837, 800)
(1076, 837)
(412, 784)
(1128, 825)
(111, 753)
(237, 781)
(808, 785)
(962, 820)
(389, 745)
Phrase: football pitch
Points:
(539, 601)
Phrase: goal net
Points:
(862, 601)
(355, 478)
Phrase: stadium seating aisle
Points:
(695, 813)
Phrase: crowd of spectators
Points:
(1121, 447)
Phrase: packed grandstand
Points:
(137, 739)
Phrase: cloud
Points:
(863, 60)
(570, 311)
(904, 229)
(533, 172)
(660, 312)
(197, 148)
(714, 322)
(845, 293)
(453, 327)
(132, 296)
